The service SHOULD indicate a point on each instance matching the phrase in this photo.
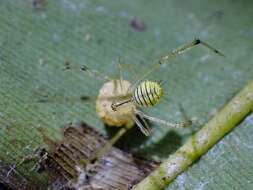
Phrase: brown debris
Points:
(67, 163)
(39, 4)
(138, 25)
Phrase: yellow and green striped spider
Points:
(119, 102)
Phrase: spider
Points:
(119, 102)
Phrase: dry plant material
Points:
(67, 160)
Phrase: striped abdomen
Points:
(148, 93)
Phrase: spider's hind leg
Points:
(183, 124)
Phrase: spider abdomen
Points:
(148, 93)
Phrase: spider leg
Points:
(182, 124)
(174, 53)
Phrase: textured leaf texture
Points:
(38, 36)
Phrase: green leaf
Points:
(37, 37)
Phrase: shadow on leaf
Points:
(166, 146)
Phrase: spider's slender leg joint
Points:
(92, 73)
(183, 124)
(186, 47)
(120, 73)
